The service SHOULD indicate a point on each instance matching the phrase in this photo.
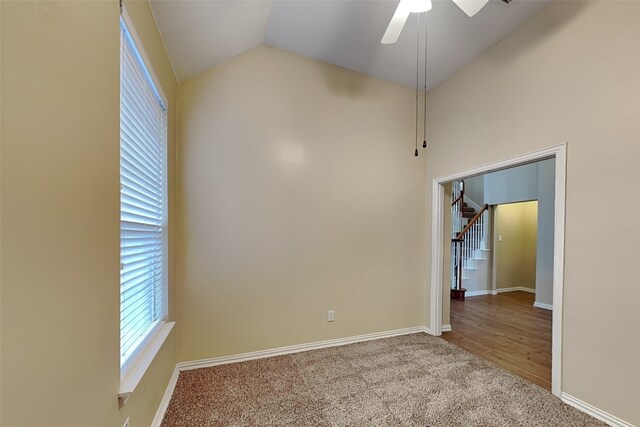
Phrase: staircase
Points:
(469, 240)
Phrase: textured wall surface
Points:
(61, 215)
(570, 75)
(299, 193)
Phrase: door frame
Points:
(559, 152)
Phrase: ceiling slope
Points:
(201, 34)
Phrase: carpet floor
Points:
(410, 380)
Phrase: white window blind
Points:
(143, 202)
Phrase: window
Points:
(143, 202)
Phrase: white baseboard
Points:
(499, 291)
(164, 403)
(446, 328)
(205, 363)
(478, 293)
(515, 289)
(594, 412)
(543, 305)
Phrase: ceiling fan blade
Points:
(471, 7)
(397, 23)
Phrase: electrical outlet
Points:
(331, 316)
(500, 238)
(126, 423)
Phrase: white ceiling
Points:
(201, 34)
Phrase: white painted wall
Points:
(511, 185)
(544, 245)
(480, 279)
(474, 189)
(534, 181)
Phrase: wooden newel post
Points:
(459, 291)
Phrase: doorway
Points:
(515, 235)
(439, 235)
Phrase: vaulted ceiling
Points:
(201, 34)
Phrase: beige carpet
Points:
(412, 380)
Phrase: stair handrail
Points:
(457, 245)
(460, 236)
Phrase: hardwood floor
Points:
(507, 330)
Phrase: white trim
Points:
(446, 328)
(435, 307)
(546, 153)
(143, 342)
(437, 257)
(138, 363)
(499, 291)
(558, 268)
(126, 16)
(513, 289)
(166, 398)
(543, 305)
(476, 294)
(142, 362)
(594, 412)
(205, 363)
(492, 243)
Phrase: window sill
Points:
(142, 363)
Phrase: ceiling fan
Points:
(406, 7)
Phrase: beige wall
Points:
(568, 75)
(298, 193)
(515, 255)
(60, 215)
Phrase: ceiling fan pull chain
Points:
(426, 29)
(417, 81)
